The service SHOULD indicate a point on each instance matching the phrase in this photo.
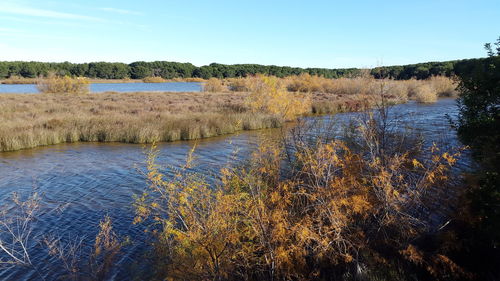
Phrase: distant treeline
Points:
(418, 71)
(168, 70)
(164, 69)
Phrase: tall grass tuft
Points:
(54, 84)
(214, 85)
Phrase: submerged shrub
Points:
(54, 84)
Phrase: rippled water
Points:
(115, 87)
(83, 182)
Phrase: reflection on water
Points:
(115, 87)
(83, 182)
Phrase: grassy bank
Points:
(32, 120)
(27, 121)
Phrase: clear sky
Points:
(303, 33)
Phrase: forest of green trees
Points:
(168, 70)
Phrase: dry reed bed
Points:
(424, 91)
(32, 120)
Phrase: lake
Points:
(116, 87)
(83, 182)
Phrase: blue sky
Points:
(296, 33)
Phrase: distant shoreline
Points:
(27, 81)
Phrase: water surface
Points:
(115, 87)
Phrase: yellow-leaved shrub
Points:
(337, 209)
(54, 84)
(270, 95)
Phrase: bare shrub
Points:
(68, 253)
(71, 254)
(16, 227)
(54, 84)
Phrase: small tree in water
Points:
(54, 84)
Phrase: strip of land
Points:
(32, 120)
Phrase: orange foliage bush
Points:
(336, 209)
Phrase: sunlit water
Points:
(83, 182)
(115, 87)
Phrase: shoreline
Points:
(33, 81)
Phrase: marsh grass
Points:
(154, 80)
(397, 91)
(18, 80)
(31, 120)
(188, 79)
